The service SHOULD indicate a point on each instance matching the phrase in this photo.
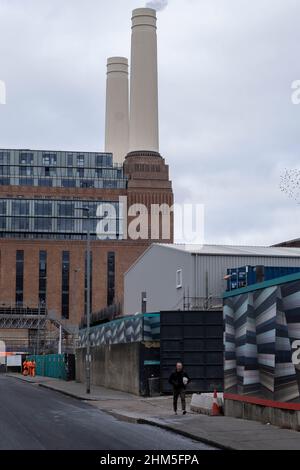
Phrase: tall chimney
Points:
(117, 108)
(144, 82)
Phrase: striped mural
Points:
(260, 327)
(130, 329)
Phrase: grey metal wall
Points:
(216, 266)
(155, 274)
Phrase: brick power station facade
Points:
(43, 252)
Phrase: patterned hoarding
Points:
(130, 329)
(262, 331)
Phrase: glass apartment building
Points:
(50, 216)
(60, 169)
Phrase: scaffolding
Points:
(42, 338)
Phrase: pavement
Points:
(220, 432)
(36, 418)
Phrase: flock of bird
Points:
(290, 184)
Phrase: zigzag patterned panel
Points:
(260, 328)
(131, 329)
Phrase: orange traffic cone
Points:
(215, 411)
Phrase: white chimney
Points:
(144, 82)
(117, 108)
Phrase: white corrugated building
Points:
(171, 277)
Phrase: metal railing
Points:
(22, 310)
(104, 315)
(202, 303)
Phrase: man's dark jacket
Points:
(176, 379)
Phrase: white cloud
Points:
(157, 4)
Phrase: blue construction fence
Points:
(57, 366)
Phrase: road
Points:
(33, 418)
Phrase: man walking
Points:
(179, 380)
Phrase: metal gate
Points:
(194, 338)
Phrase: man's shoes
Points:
(184, 412)
(175, 412)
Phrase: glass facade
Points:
(19, 277)
(60, 169)
(65, 285)
(55, 218)
(43, 278)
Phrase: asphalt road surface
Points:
(33, 418)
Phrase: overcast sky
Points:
(228, 127)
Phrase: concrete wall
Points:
(288, 419)
(115, 366)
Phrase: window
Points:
(45, 182)
(4, 157)
(65, 288)
(89, 223)
(110, 278)
(67, 183)
(65, 225)
(66, 209)
(26, 158)
(26, 171)
(80, 172)
(43, 224)
(104, 160)
(179, 279)
(111, 184)
(4, 170)
(20, 223)
(4, 181)
(49, 159)
(2, 207)
(19, 277)
(80, 160)
(86, 183)
(43, 208)
(2, 213)
(42, 278)
(70, 160)
(20, 207)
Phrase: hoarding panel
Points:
(198, 344)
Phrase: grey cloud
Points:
(228, 128)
